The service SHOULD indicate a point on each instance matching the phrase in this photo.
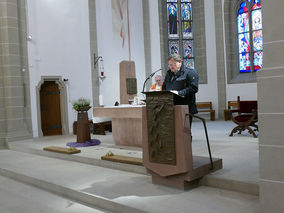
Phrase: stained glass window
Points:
(173, 20)
(173, 47)
(250, 35)
(180, 30)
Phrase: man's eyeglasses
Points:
(173, 64)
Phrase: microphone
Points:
(150, 76)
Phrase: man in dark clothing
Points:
(182, 81)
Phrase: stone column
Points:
(147, 43)
(94, 51)
(221, 83)
(271, 109)
(15, 116)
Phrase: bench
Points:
(231, 105)
(206, 107)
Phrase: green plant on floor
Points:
(81, 103)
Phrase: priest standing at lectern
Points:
(182, 81)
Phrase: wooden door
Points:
(50, 109)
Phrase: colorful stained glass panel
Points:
(186, 11)
(173, 34)
(243, 8)
(172, 11)
(187, 49)
(256, 20)
(257, 40)
(187, 29)
(173, 47)
(257, 60)
(172, 20)
(256, 5)
(244, 42)
(243, 22)
(189, 63)
(244, 60)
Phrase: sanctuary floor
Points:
(83, 181)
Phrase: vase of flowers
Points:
(82, 106)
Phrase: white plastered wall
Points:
(155, 37)
(110, 48)
(59, 46)
(209, 92)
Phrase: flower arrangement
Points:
(81, 103)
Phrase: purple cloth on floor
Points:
(93, 142)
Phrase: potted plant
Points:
(82, 106)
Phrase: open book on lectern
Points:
(176, 98)
(163, 91)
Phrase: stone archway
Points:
(63, 103)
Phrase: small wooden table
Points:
(126, 123)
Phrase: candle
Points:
(101, 100)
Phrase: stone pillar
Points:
(147, 43)
(271, 109)
(94, 52)
(221, 83)
(15, 115)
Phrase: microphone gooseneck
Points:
(150, 76)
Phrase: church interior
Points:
(82, 129)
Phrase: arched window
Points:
(180, 32)
(250, 36)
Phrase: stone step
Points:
(83, 159)
(114, 190)
(48, 174)
(211, 180)
(17, 197)
(230, 184)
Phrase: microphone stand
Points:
(150, 76)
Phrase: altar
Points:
(126, 123)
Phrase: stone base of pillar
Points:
(15, 136)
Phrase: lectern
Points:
(167, 150)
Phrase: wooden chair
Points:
(246, 117)
(227, 112)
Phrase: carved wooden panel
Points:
(161, 128)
